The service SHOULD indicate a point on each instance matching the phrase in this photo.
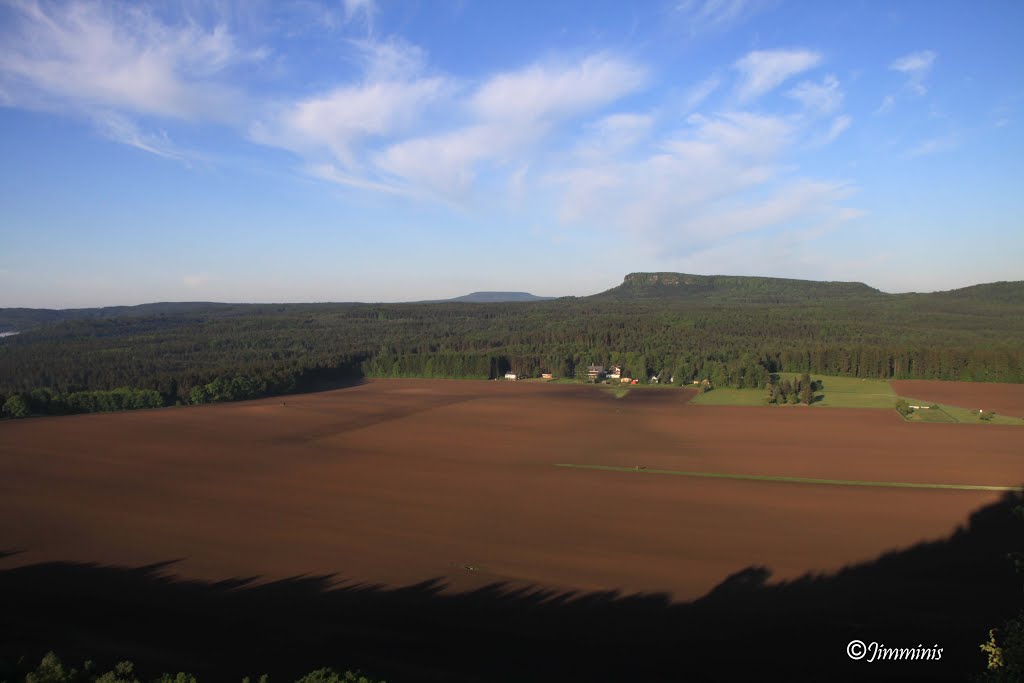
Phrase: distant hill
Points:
(498, 297)
(1003, 292)
(733, 288)
(489, 298)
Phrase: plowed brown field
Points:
(1005, 399)
(397, 481)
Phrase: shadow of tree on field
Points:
(946, 593)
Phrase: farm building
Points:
(511, 375)
(547, 375)
(595, 371)
(615, 372)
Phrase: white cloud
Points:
(887, 104)
(764, 70)
(931, 146)
(614, 135)
(125, 131)
(340, 119)
(713, 158)
(819, 98)
(360, 10)
(700, 92)
(790, 201)
(390, 59)
(718, 178)
(705, 15)
(333, 174)
(88, 56)
(838, 127)
(446, 163)
(381, 131)
(508, 113)
(916, 67)
(544, 92)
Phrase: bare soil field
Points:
(397, 482)
(1005, 399)
(400, 481)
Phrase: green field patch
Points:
(849, 392)
(957, 415)
(835, 392)
(846, 385)
(931, 415)
(793, 480)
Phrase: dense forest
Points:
(735, 331)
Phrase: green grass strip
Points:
(796, 480)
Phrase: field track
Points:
(796, 480)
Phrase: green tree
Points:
(332, 676)
(180, 677)
(52, 670)
(16, 406)
(123, 672)
(1005, 646)
(199, 394)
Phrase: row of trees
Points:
(48, 402)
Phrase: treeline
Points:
(48, 402)
(229, 387)
(52, 670)
(212, 354)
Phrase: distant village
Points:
(598, 373)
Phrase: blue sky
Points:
(375, 151)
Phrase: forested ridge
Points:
(732, 330)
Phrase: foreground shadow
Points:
(946, 593)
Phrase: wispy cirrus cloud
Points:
(762, 71)
(548, 92)
(495, 122)
(700, 92)
(820, 98)
(82, 56)
(123, 130)
(564, 132)
(360, 10)
(719, 177)
(931, 146)
(339, 120)
(915, 66)
(838, 126)
(709, 15)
